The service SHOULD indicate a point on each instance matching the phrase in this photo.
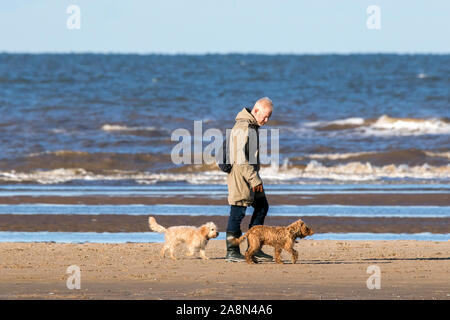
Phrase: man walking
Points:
(245, 187)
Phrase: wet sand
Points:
(135, 223)
(375, 199)
(326, 270)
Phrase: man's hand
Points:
(258, 188)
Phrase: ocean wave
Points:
(101, 162)
(77, 174)
(427, 76)
(149, 168)
(365, 171)
(438, 154)
(412, 126)
(386, 126)
(397, 157)
(355, 121)
(353, 171)
(138, 131)
(337, 156)
(116, 127)
(58, 153)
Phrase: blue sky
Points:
(223, 26)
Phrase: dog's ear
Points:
(295, 228)
(204, 231)
(306, 231)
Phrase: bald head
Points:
(264, 103)
(262, 110)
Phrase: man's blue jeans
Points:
(237, 213)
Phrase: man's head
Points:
(262, 110)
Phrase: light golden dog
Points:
(195, 238)
(278, 237)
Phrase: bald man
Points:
(245, 187)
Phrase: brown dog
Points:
(278, 237)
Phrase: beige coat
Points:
(244, 154)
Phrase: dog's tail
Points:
(154, 226)
(237, 241)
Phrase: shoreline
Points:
(374, 199)
(326, 270)
(139, 223)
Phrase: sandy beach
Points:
(326, 270)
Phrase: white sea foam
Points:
(65, 175)
(438, 154)
(59, 131)
(408, 126)
(354, 121)
(388, 126)
(365, 171)
(47, 176)
(353, 171)
(339, 156)
(348, 121)
(356, 171)
(115, 127)
(58, 153)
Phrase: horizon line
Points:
(225, 53)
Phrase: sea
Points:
(103, 124)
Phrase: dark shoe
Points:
(233, 252)
(261, 256)
(233, 256)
